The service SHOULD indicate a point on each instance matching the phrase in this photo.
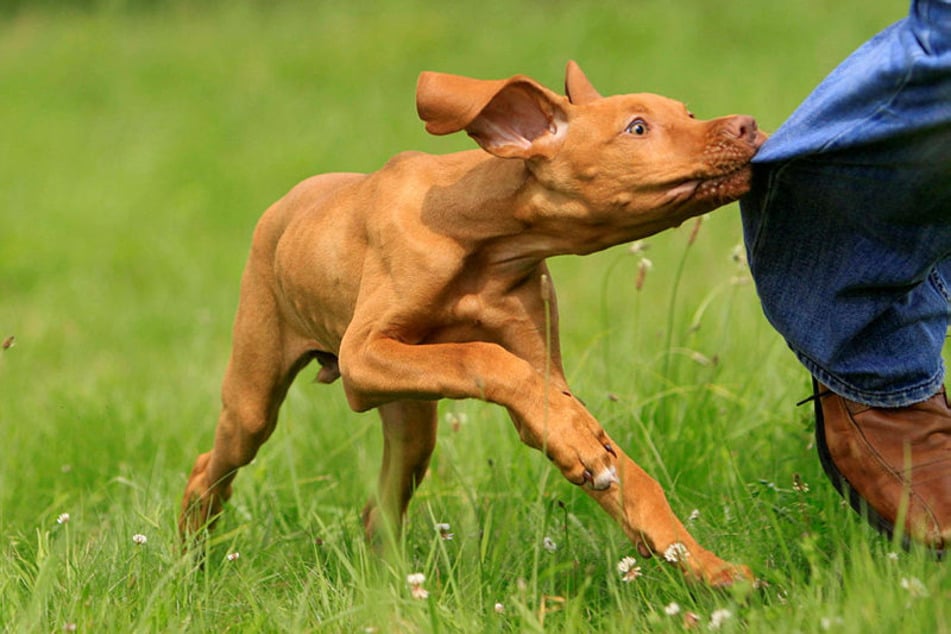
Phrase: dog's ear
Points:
(510, 118)
(577, 87)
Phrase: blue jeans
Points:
(848, 223)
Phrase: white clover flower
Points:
(549, 544)
(892, 556)
(628, 569)
(416, 581)
(676, 553)
(444, 530)
(672, 608)
(798, 485)
(718, 618)
(138, 539)
(62, 518)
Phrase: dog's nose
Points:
(743, 127)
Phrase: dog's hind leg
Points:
(409, 436)
(263, 363)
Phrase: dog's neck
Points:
(498, 208)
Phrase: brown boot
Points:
(890, 462)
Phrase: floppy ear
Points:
(510, 118)
(577, 87)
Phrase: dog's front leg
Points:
(379, 369)
(639, 505)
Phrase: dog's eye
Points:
(637, 126)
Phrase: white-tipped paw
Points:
(603, 480)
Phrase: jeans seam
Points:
(939, 283)
(901, 398)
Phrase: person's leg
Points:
(848, 231)
(848, 252)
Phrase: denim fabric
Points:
(848, 223)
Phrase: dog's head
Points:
(640, 161)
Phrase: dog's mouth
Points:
(728, 173)
(719, 189)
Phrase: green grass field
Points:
(138, 147)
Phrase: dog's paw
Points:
(601, 481)
(701, 565)
(730, 575)
(586, 461)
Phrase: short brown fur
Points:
(427, 280)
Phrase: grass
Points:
(142, 140)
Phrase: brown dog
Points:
(427, 280)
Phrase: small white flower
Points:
(676, 553)
(62, 518)
(549, 544)
(416, 581)
(444, 530)
(456, 420)
(826, 622)
(694, 515)
(626, 564)
(892, 556)
(233, 556)
(628, 569)
(798, 485)
(672, 608)
(718, 618)
(69, 627)
(499, 608)
(138, 539)
(914, 587)
(638, 247)
(643, 268)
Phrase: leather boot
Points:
(891, 464)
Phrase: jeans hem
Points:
(901, 397)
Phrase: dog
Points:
(427, 280)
